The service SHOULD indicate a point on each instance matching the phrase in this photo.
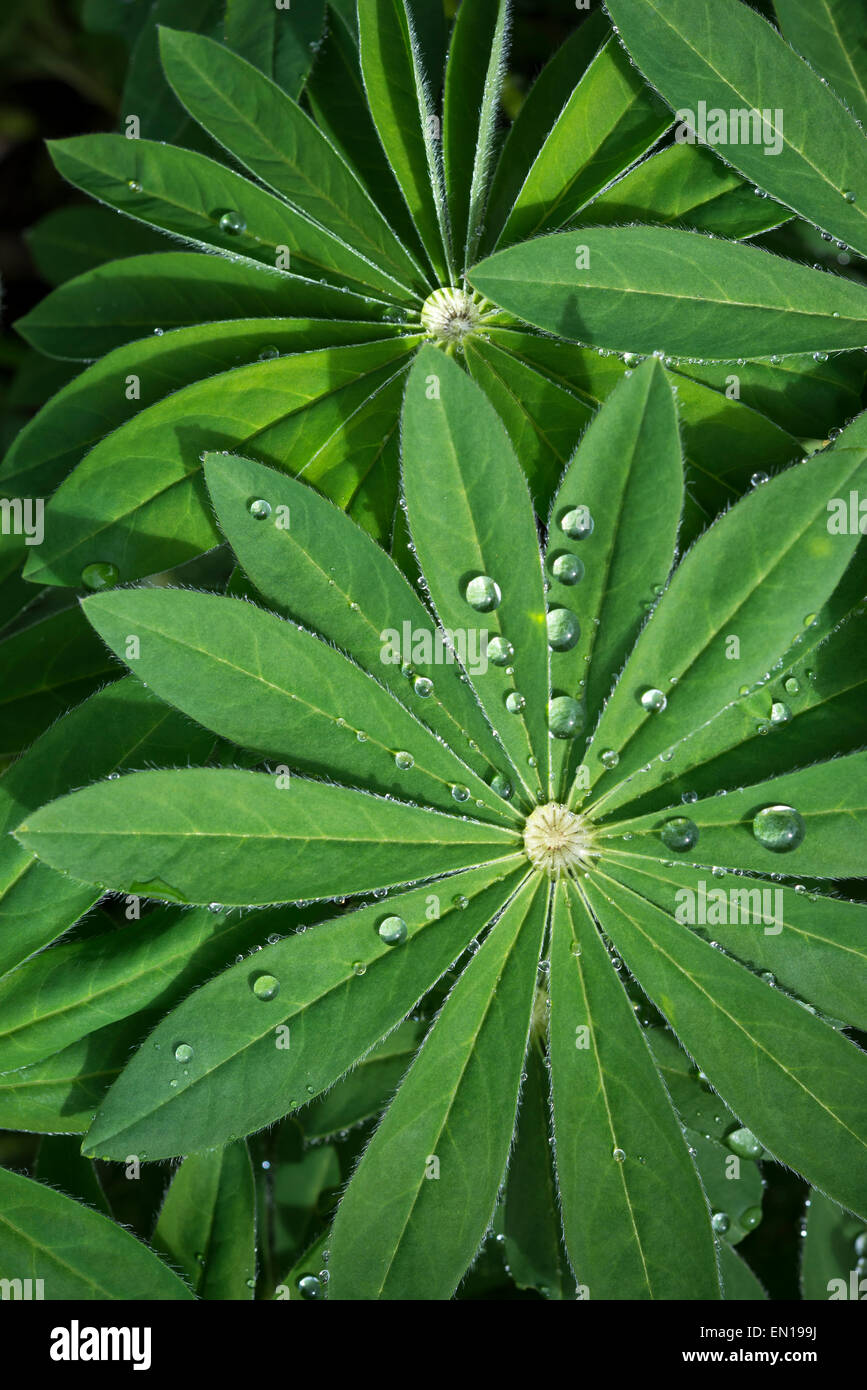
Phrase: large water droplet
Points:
(233, 223)
(501, 785)
(720, 1222)
(483, 593)
(609, 758)
(653, 700)
(565, 716)
(577, 523)
(404, 760)
(266, 987)
(310, 1287)
(515, 702)
(259, 509)
(780, 713)
(100, 575)
(460, 793)
(568, 569)
(779, 828)
(183, 1052)
(679, 833)
(359, 967)
(392, 930)
(618, 1154)
(500, 651)
(564, 630)
(744, 1143)
(423, 686)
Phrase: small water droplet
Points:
(183, 1052)
(609, 758)
(744, 1143)
(423, 686)
(565, 716)
(392, 930)
(459, 792)
(515, 702)
(483, 593)
(460, 902)
(269, 353)
(791, 686)
(751, 1218)
(310, 1287)
(501, 786)
(500, 651)
(849, 195)
(100, 575)
(618, 1154)
(233, 223)
(820, 356)
(266, 987)
(679, 833)
(720, 1222)
(653, 700)
(758, 479)
(780, 713)
(564, 630)
(359, 967)
(404, 760)
(779, 828)
(568, 569)
(689, 797)
(577, 523)
(361, 736)
(259, 509)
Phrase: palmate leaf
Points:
(722, 53)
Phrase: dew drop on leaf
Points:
(565, 716)
(392, 930)
(359, 967)
(751, 1218)
(423, 686)
(233, 223)
(515, 702)
(743, 1143)
(310, 1287)
(404, 760)
(780, 713)
(102, 574)
(577, 523)
(183, 1052)
(266, 987)
(720, 1222)
(259, 509)
(779, 828)
(653, 700)
(483, 593)
(268, 353)
(460, 793)
(500, 651)
(568, 569)
(618, 1155)
(564, 630)
(609, 757)
(680, 833)
(501, 785)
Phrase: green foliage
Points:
(438, 849)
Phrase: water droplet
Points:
(618, 1154)
(404, 760)
(689, 797)
(423, 686)
(361, 736)
(565, 716)
(751, 1218)
(768, 977)
(515, 702)
(460, 902)
(779, 828)
(266, 987)
(861, 1244)
(392, 930)
(791, 686)
(233, 223)
(500, 651)
(780, 713)
(609, 758)
(310, 1287)
(757, 479)
(100, 575)
(501, 786)
(359, 967)
(679, 833)
(183, 1052)
(577, 523)
(269, 353)
(459, 792)
(564, 629)
(568, 569)
(259, 509)
(720, 1222)
(653, 700)
(483, 593)
(820, 356)
(849, 195)
(744, 1143)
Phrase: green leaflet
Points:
(482, 535)
(210, 206)
(732, 1185)
(67, 993)
(207, 1224)
(78, 1253)
(341, 989)
(180, 289)
(472, 96)
(625, 1173)
(830, 34)
(277, 142)
(137, 499)
(327, 574)
(654, 289)
(72, 240)
(608, 122)
(796, 1083)
(246, 838)
(60, 1164)
(60, 1095)
(544, 421)
(830, 799)
(532, 1237)
(295, 1286)
(294, 1195)
(119, 727)
(762, 588)
(539, 111)
(802, 395)
(808, 155)
(684, 186)
(281, 42)
(400, 103)
(611, 536)
(813, 946)
(830, 1257)
(266, 684)
(462, 1089)
(146, 94)
(367, 1089)
(739, 1281)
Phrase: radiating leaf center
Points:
(558, 841)
(451, 315)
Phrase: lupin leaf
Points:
(206, 1226)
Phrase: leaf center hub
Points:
(558, 841)
(451, 315)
